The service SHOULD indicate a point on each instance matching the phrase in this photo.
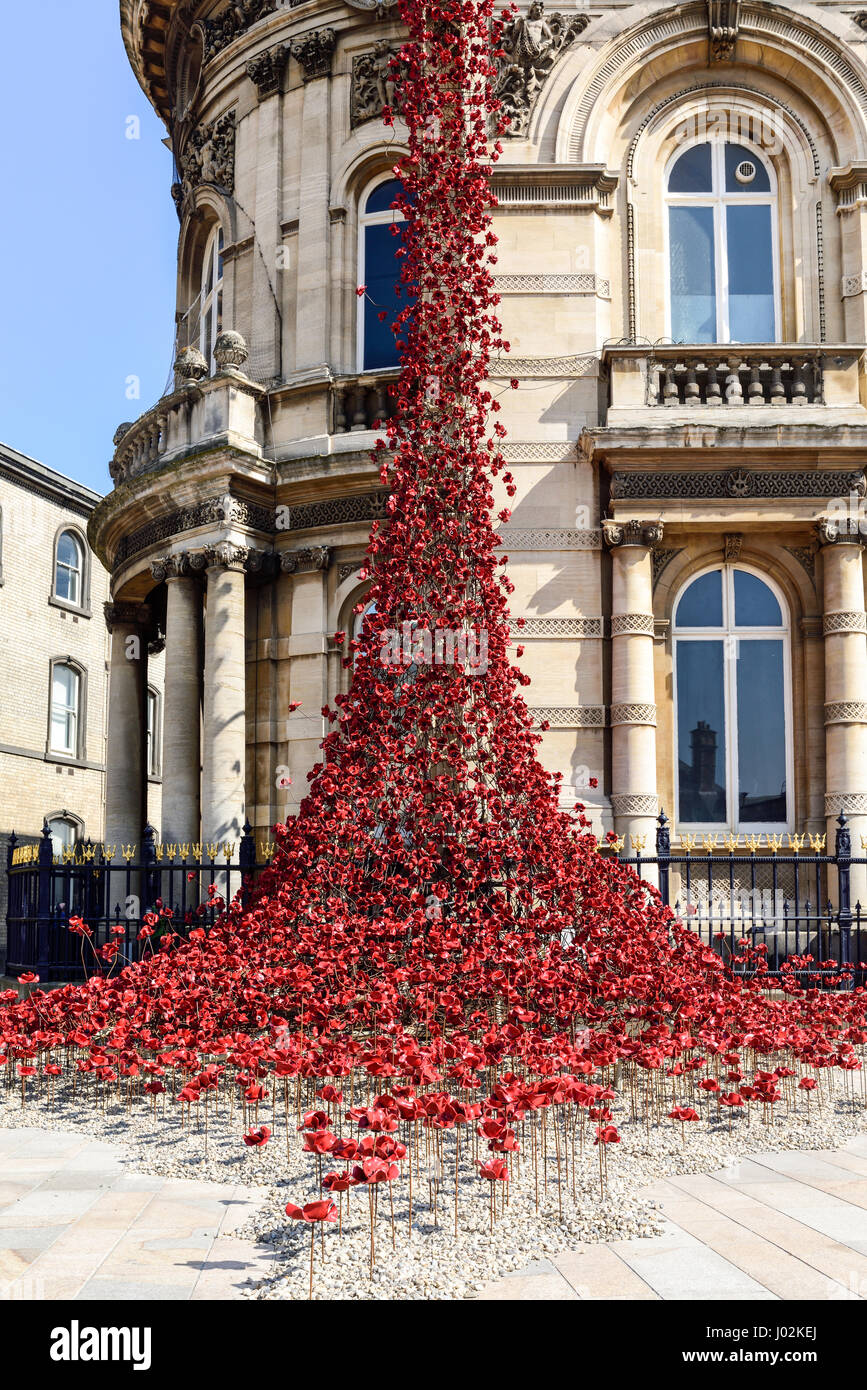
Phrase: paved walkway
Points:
(780, 1226)
(76, 1223)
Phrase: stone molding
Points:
(314, 51)
(633, 714)
(570, 717)
(738, 483)
(544, 367)
(846, 712)
(634, 804)
(575, 628)
(337, 511)
(632, 625)
(587, 283)
(617, 533)
(723, 29)
(543, 539)
(850, 803)
(224, 510)
(118, 613)
(844, 622)
(314, 557)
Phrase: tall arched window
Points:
(64, 723)
(153, 731)
(379, 270)
(211, 300)
(69, 569)
(722, 238)
(732, 703)
(65, 831)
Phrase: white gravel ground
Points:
(431, 1262)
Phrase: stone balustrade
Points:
(684, 377)
(362, 402)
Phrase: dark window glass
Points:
(382, 197)
(755, 604)
(692, 172)
(761, 733)
(701, 605)
(736, 156)
(381, 273)
(693, 292)
(701, 733)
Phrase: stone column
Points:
(844, 626)
(181, 760)
(224, 741)
(634, 797)
(126, 766)
(308, 649)
(314, 51)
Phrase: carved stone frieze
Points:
(213, 511)
(737, 483)
(850, 803)
(266, 70)
(314, 51)
(846, 712)
(633, 714)
(571, 717)
(209, 156)
(549, 539)
(835, 623)
(634, 805)
(575, 628)
(238, 17)
(531, 45)
(373, 82)
(632, 625)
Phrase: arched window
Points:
(64, 722)
(211, 298)
(732, 703)
(69, 569)
(154, 732)
(722, 242)
(379, 270)
(65, 831)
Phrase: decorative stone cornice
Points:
(723, 18)
(373, 82)
(521, 187)
(531, 45)
(617, 533)
(336, 511)
(208, 157)
(266, 70)
(314, 51)
(240, 16)
(314, 557)
(122, 613)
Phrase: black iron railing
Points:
(775, 896)
(166, 887)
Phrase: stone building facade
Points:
(53, 663)
(682, 221)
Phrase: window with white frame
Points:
(153, 732)
(211, 299)
(64, 832)
(379, 271)
(722, 246)
(65, 712)
(69, 569)
(732, 703)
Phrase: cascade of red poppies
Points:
(432, 916)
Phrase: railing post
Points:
(246, 858)
(663, 854)
(843, 857)
(150, 883)
(44, 901)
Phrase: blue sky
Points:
(88, 235)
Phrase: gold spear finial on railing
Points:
(775, 843)
(688, 842)
(158, 851)
(710, 842)
(228, 849)
(638, 842)
(818, 842)
(754, 843)
(128, 851)
(732, 842)
(797, 842)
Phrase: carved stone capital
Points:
(832, 532)
(617, 533)
(125, 613)
(226, 555)
(266, 70)
(312, 557)
(314, 51)
(173, 566)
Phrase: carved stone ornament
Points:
(120, 613)
(860, 18)
(832, 532)
(314, 557)
(239, 16)
(531, 45)
(226, 555)
(377, 7)
(190, 366)
(121, 431)
(732, 546)
(174, 566)
(266, 70)
(616, 533)
(373, 82)
(209, 156)
(723, 19)
(230, 351)
(314, 51)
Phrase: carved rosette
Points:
(266, 70)
(314, 51)
(617, 533)
(531, 45)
